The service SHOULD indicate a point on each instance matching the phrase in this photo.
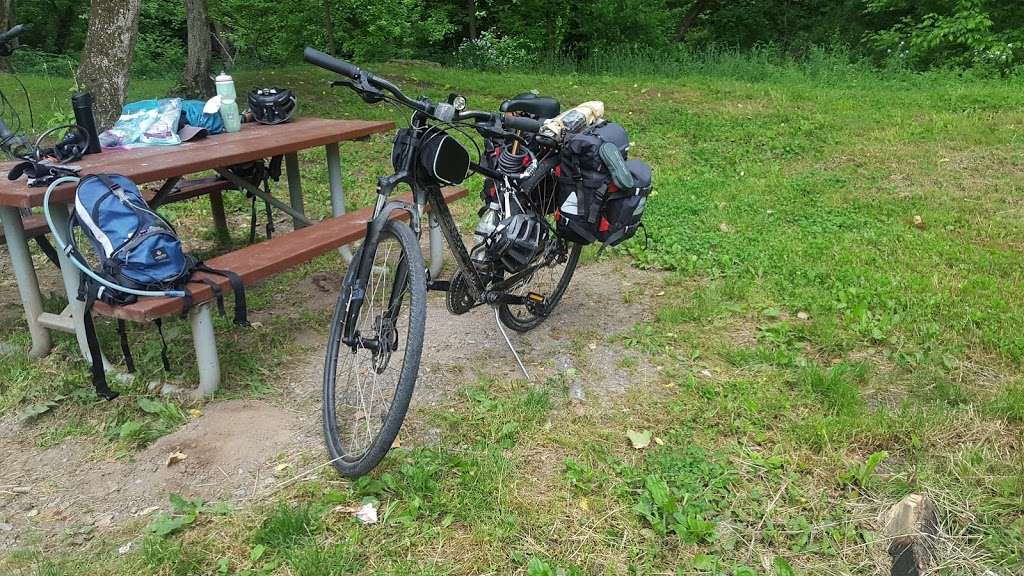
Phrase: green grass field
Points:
(842, 325)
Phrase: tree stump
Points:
(912, 524)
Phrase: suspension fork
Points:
(363, 266)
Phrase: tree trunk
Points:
(198, 83)
(107, 57)
(696, 9)
(471, 8)
(7, 21)
(329, 27)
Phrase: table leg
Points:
(436, 247)
(291, 164)
(72, 279)
(337, 190)
(25, 275)
(206, 350)
(220, 219)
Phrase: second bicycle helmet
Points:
(271, 105)
(517, 241)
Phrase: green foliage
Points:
(287, 525)
(185, 513)
(860, 474)
(950, 33)
(680, 492)
(491, 52)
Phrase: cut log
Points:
(912, 526)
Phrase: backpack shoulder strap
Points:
(99, 377)
(241, 311)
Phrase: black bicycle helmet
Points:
(517, 241)
(271, 105)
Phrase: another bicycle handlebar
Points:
(12, 34)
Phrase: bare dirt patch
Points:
(235, 448)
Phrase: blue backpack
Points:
(136, 249)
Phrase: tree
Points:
(107, 57)
(198, 83)
(329, 27)
(697, 8)
(471, 9)
(7, 21)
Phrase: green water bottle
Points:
(228, 105)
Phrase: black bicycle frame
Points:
(426, 192)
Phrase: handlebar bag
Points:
(619, 216)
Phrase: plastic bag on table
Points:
(145, 123)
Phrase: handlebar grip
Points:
(328, 62)
(523, 123)
(12, 33)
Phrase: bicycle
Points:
(521, 267)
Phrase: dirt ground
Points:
(244, 450)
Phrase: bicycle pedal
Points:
(439, 285)
(534, 297)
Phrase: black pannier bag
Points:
(605, 194)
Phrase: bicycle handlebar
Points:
(364, 82)
(12, 34)
(328, 62)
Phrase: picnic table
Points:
(170, 165)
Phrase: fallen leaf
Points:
(194, 413)
(368, 513)
(724, 228)
(282, 467)
(175, 458)
(659, 441)
(32, 513)
(147, 511)
(918, 222)
(125, 548)
(584, 505)
(21, 489)
(592, 345)
(397, 443)
(705, 373)
(662, 293)
(639, 440)
(802, 315)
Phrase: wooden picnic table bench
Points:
(170, 164)
(35, 224)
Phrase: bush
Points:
(493, 52)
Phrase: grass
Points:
(819, 356)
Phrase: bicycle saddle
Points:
(532, 104)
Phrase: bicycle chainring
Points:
(459, 299)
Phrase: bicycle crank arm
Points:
(513, 299)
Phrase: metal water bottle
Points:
(81, 103)
(228, 106)
(488, 222)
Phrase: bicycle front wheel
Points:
(369, 381)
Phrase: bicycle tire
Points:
(354, 465)
(508, 318)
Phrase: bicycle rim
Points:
(549, 281)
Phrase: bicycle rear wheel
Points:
(550, 281)
(368, 384)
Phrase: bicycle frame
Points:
(426, 193)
